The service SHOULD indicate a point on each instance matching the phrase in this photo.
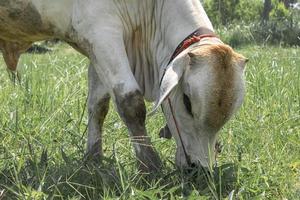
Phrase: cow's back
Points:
(21, 21)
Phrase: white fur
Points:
(57, 12)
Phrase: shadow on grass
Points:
(41, 179)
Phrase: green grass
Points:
(43, 134)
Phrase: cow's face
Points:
(200, 91)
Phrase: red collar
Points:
(194, 37)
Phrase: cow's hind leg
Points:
(98, 105)
(132, 109)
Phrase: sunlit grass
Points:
(43, 134)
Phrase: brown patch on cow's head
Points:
(224, 63)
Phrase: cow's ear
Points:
(171, 78)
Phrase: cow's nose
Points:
(196, 168)
(193, 168)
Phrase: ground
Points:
(43, 123)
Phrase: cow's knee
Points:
(132, 109)
(98, 107)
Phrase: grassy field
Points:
(43, 124)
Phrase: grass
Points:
(43, 134)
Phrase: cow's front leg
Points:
(109, 57)
(131, 108)
(98, 105)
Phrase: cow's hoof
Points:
(165, 133)
(94, 154)
(92, 158)
(149, 162)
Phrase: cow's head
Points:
(200, 90)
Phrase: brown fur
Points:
(223, 97)
(20, 25)
(11, 52)
(20, 20)
(224, 62)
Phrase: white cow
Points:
(130, 44)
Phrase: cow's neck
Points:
(173, 20)
(181, 18)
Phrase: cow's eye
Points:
(187, 103)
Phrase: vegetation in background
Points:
(255, 21)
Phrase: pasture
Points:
(43, 123)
